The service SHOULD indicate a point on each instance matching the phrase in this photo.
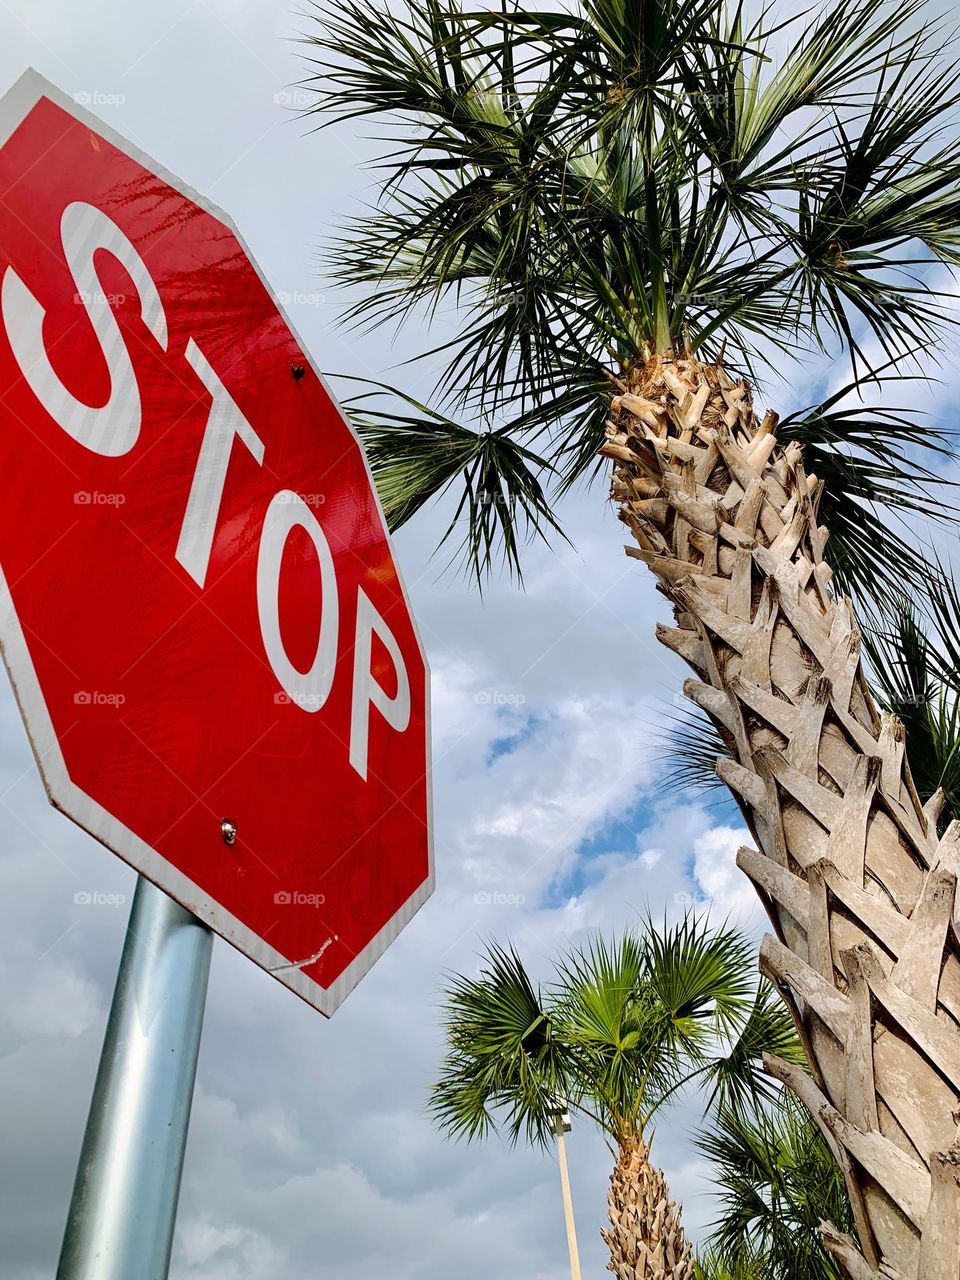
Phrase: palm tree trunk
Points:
(858, 884)
(645, 1238)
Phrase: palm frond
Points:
(417, 456)
(778, 1181)
(943, 616)
(908, 666)
(579, 188)
(868, 462)
(603, 1011)
(702, 978)
(503, 1055)
(626, 1023)
(737, 1078)
(638, 145)
(692, 745)
(711, 1265)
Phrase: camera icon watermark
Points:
(305, 701)
(301, 298)
(692, 901)
(495, 898)
(309, 499)
(95, 698)
(298, 99)
(97, 498)
(498, 698)
(97, 898)
(85, 297)
(97, 98)
(294, 898)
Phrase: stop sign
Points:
(201, 615)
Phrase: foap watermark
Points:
(287, 497)
(298, 99)
(301, 298)
(95, 698)
(692, 900)
(716, 300)
(705, 99)
(97, 898)
(913, 700)
(495, 898)
(97, 297)
(98, 498)
(498, 698)
(508, 500)
(98, 98)
(295, 898)
(305, 701)
(897, 101)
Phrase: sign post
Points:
(201, 615)
(122, 1213)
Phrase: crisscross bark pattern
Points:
(859, 885)
(645, 1238)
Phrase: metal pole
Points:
(567, 1202)
(124, 1204)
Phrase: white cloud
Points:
(208, 1252)
(54, 1001)
(722, 883)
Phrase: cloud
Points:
(724, 886)
(55, 1001)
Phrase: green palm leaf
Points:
(693, 744)
(778, 1181)
(867, 460)
(737, 1083)
(579, 188)
(915, 679)
(623, 1027)
(503, 1053)
(417, 456)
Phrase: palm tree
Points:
(623, 1028)
(634, 209)
(777, 1181)
(777, 1177)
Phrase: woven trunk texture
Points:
(645, 1238)
(859, 884)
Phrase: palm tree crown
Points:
(624, 1025)
(586, 186)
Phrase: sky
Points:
(310, 1150)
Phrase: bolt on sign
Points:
(207, 632)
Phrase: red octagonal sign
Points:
(201, 614)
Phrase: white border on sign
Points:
(15, 105)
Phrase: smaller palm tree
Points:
(624, 1027)
(778, 1182)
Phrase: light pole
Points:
(561, 1125)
